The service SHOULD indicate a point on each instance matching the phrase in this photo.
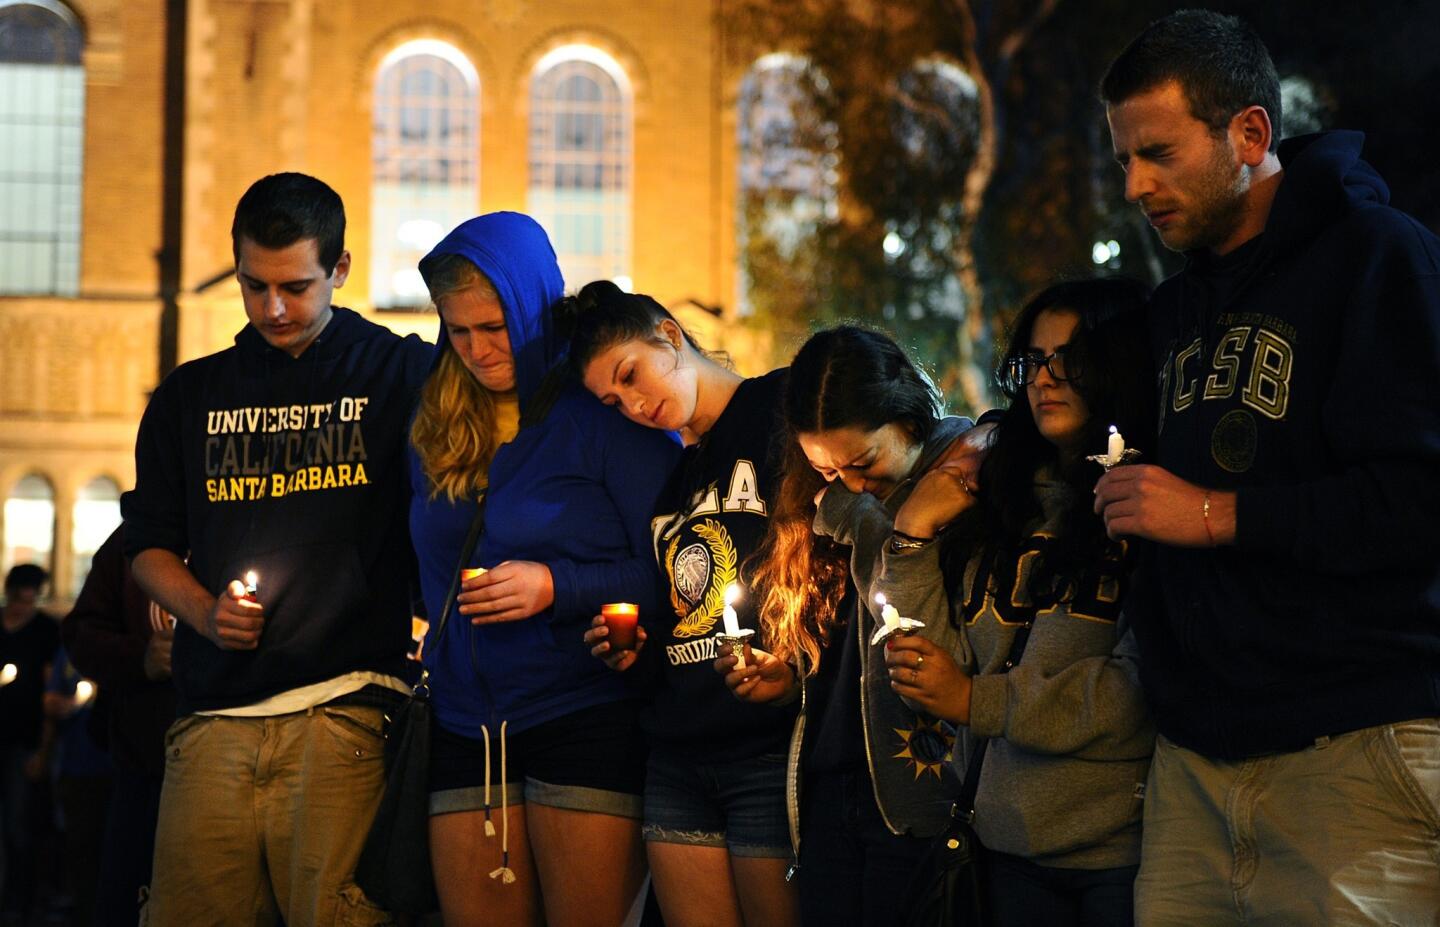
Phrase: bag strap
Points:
(535, 412)
(965, 804)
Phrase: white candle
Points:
(889, 614)
(84, 690)
(8, 674)
(1115, 448)
(732, 620)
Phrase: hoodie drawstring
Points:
(505, 874)
(489, 824)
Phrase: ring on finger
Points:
(914, 676)
(919, 660)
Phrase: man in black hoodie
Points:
(1288, 611)
(277, 465)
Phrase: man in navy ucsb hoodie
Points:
(1288, 616)
(278, 460)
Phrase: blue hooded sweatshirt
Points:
(574, 492)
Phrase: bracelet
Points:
(1205, 516)
(901, 541)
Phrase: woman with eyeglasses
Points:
(1061, 786)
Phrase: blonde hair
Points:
(454, 428)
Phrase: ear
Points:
(669, 330)
(342, 270)
(1250, 132)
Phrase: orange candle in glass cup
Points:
(621, 618)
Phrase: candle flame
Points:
(880, 598)
(1114, 430)
(250, 579)
(732, 594)
(8, 674)
(83, 690)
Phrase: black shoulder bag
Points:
(394, 867)
(947, 889)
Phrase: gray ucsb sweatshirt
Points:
(1063, 779)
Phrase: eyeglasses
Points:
(1020, 370)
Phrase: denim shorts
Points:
(736, 804)
(589, 760)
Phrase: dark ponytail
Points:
(602, 315)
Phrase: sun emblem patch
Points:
(926, 747)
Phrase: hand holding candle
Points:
(892, 622)
(621, 619)
(237, 618)
(1116, 453)
(733, 636)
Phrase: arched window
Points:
(30, 523)
(42, 123)
(580, 152)
(789, 159)
(426, 163)
(97, 513)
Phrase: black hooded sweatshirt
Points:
(250, 459)
(1301, 371)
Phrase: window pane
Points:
(30, 524)
(42, 108)
(97, 514)
(579, 135)
(426, 164)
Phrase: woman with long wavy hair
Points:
(861, 424)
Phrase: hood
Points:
(514, 253)
(1324, 179)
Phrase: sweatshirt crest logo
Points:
(698, 577)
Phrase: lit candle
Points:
(891, 622)
(8, 674)
(733, 635)
(84, 691)
(472, 572)
(1115, 447)
(732, 620)
(889, 614)
(251, 581)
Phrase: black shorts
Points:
(589, 760)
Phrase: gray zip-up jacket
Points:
(1063, 779)
(908, 751)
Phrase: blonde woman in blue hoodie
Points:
(537, 761)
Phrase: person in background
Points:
(83, 775)
(715, 784)
(120, 639)
(29, 638)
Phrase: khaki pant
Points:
(1346, 832)
(262, 819)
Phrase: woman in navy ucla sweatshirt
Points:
(529, 726)
(714, 818)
